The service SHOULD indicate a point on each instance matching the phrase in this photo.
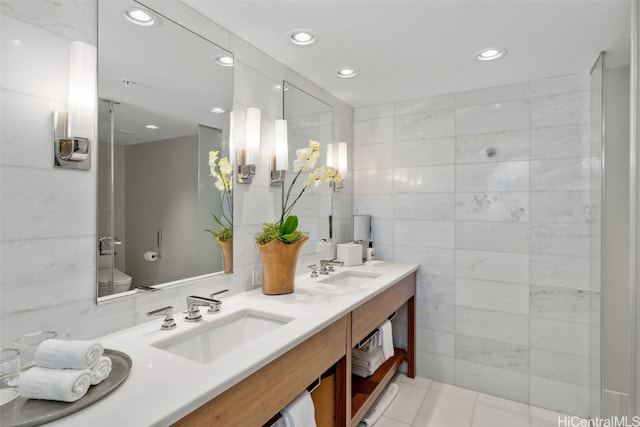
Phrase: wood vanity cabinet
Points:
(257, 398)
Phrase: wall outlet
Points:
(257, 278)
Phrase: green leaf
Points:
(291, 237)
(290, 225)
(216, 219)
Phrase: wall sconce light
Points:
(280, 162)
(337, 158)
(73, 130)
(247, 157)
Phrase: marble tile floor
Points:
(425, 403)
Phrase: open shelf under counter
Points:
(365, 391)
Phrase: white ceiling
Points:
(409, 49)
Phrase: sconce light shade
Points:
(248, 157)
(73, 130)
(342, 158)
(337, 158)
(282, 145)
(252, 138)
(280, 162)
(82, 90)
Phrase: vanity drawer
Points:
(261, 395)
(371, 314)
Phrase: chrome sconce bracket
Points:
(277, 176)
(68, 151)
(245, 172)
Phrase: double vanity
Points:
(243, 364)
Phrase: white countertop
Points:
(162, 387)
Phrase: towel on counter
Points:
(378, 408)
(66, 385)
(101, 370)
(386, 339)
(300, 412)
(65, 354)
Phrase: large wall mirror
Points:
(164, 104)
(310, 118)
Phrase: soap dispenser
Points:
(371, 253)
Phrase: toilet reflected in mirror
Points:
(121, 281)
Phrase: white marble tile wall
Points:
(504, 293)
(47, 236)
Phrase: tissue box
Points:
(350, 254)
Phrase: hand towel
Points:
(386, 337)
(300, 412)
(378, 408)
(101, 370)
(66, 385)
(65, 354)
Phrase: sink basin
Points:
(215, 339)
(349, 278)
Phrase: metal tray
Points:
(22, 412)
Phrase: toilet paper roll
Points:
(151, 256)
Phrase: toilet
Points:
(121, 281)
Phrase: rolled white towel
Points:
(378, 408)
(65, 354)
(101, 370)
(66, 385)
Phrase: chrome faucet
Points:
(193, 302)
(218, 303)
(326, 265)
(314, 270)
(167, 312)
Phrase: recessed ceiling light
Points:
(216, 110)
(490, 54)
(127, 82)
(153, 127)
(303, 37)
(347, 72)
(141, 17)
(224, 60)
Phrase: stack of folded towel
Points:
(64, 370)
(365, 361)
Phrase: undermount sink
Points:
(349, 278)
(216, 339)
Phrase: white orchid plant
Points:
(223, 173)
(286, 229)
